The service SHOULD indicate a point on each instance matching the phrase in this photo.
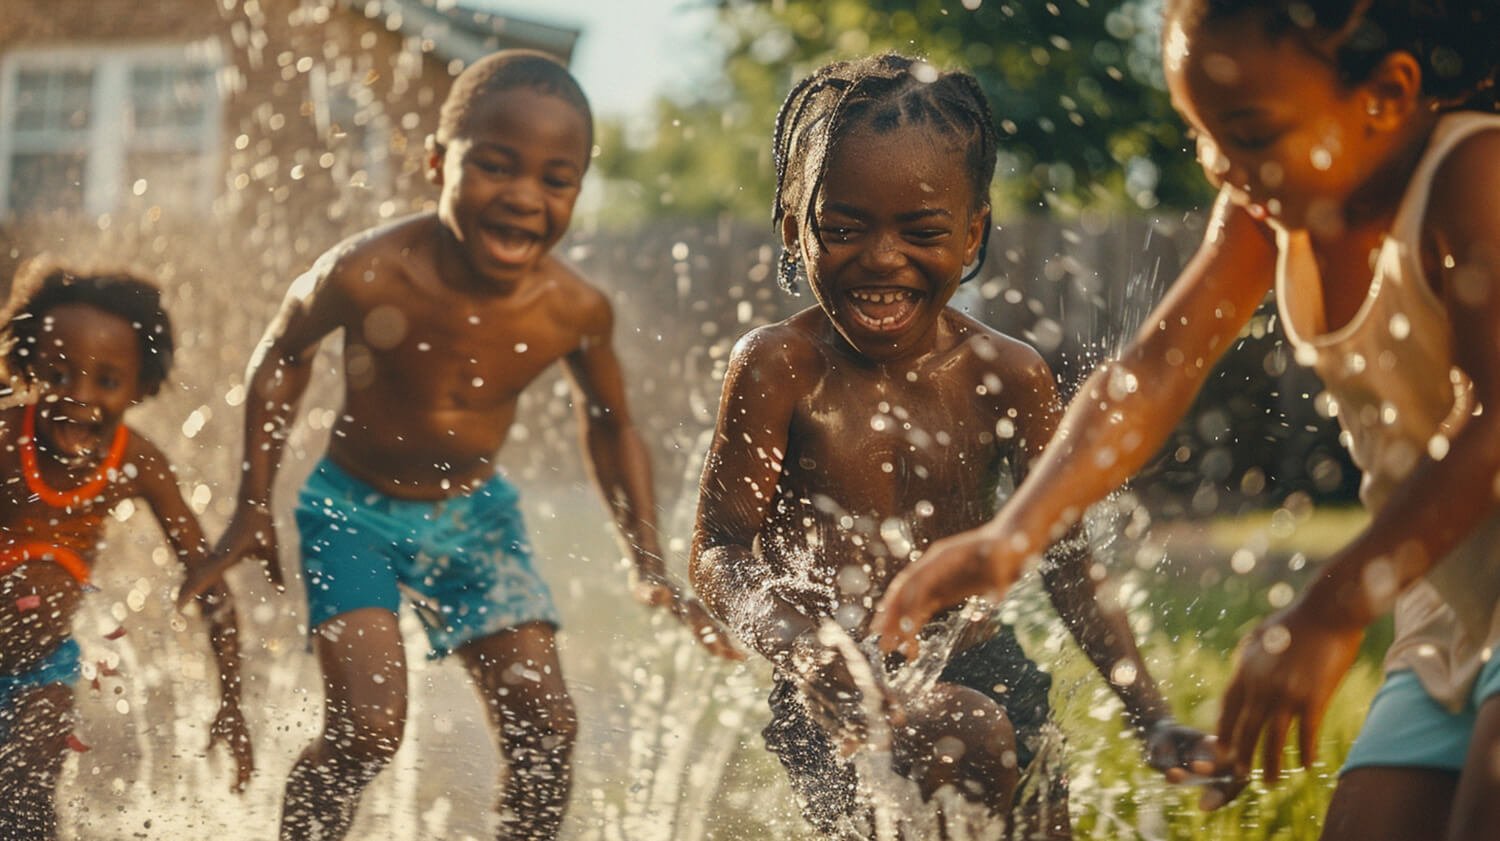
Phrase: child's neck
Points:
(1375, 203)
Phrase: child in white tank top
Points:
(1357, 148)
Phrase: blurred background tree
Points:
(1075, 84)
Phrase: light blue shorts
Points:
(465, 562)
(1406, 728)
(63, 665)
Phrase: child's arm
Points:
(1119, 419)
(739, 482)
(1101, 629)
(1291, 665)
(179, 524)
(621, 468)
(279, 371)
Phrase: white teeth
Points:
(881, 297)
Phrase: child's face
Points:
(88, 366)
(898, 222)
(509, 179)
(1274, 121)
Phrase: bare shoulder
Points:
(575, 298)
(990, 351)
(1461, 205)
(152, 472)
(372, 256)
(791, 345)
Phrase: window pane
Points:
(53, 99)
(46, 182)
(170, 96)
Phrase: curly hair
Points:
(883, 92)
(132, 298)
(503, 71)
(1454, 41)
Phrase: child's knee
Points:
(960, 737)
(548, 724)
(366, 734)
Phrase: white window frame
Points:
(105, 153)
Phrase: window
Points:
(93, 130)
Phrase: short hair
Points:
(503, 71)
(1454, 41)
(136, 300)
(883, 92)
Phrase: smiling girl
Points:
(83, 349)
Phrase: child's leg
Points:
(1402, 772)
(364, 714)
(1390, 804)
(1476, 809)
(520, 680)
(957, 736)
(38, 721)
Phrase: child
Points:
(855, 433)
(1359, 174)
(446, 317)
(84, 349)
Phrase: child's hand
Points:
(251, 532)
(709, 633)
(654, 589)
(229, 728)
(1289, 667)
(975, 563)
(1187, 756)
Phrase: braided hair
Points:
(882, 92)
(1454, 41)
(131, 298)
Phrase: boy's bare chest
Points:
(454, 353)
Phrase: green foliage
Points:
(1074, 83)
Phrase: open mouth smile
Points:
(509, 245)
(884, 309)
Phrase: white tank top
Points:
(1389, 373)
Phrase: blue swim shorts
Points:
(63, 665)
(1406, 728)
(464, 562)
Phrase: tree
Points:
(1075, 86)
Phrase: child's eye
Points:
(560, 183)
(928, 234)
(492, 167)
(837, 233)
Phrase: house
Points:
(261, 128)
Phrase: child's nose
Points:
(884, 253)
(523, 195)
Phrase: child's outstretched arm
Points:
(1101, 629)
(621, 467)
(1119, 419)
(180, 525)
(1290, 666)
(279, 371)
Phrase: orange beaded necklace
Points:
(88, 490)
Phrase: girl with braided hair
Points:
(1357, 147)
(857, 432)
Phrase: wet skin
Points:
(86, 373)
(445, 318)
(882, 411)
(1382, 125)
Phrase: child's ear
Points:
(974, 236)
(789, 235)
(435, 152)
(1392, 91)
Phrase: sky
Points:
(630, 50)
